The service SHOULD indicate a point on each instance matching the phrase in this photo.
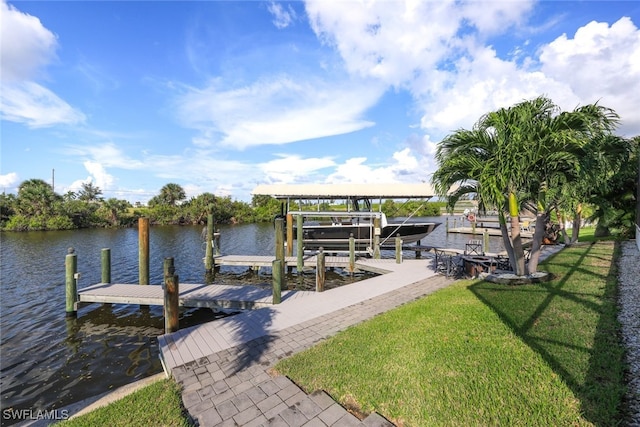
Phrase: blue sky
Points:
(222, 96)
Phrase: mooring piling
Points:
(398, 249)
(376, 237)
(143, 250)
(320, 271)
(208, 257)
(105, 259)
(171, 302)
(276, 280)
(71, 284)
(299, 244)
(352, 253)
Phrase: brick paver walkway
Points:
(234, 388)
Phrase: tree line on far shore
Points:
(37, 207)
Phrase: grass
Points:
(158, 404)
(478, 353)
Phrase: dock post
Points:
(208, 254)
(106, 265)
(280, 247)
(446, 226)
(171, 299)
(419, 251)
(376, 237)
(289, 234)
(71, 286)
(473, 227)
(485, 241)
(299, 244)
(455, 222)
(398, 249)
(352, 253)
(216, 245)
(276, 282)
(320, 273)
(143, 250)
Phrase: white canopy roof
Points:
(341, 191)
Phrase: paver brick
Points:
(227, 409)
(332, 414)
(293, 416)
(308, 407)
(347, 420)
(209, 417)
(244, 417)
(269, 387)
(256, 395)
(242, 401)
(376, 420)
(322, 399)
(269, 403)
(276, 421)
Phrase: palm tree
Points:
(114, 208)
(518, 155)
(89, 192)
(36, 197)
(171, 194)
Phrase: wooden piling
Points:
(446, 226)
(171, 307)
(106, 265)
(289, 234)
(71, 286)
(485, 241)
(352, 253)
(398, 249)
(376, 237)
(299, 244)
(216, 246)
(208, 255)
(143, 250)
(320, 271)
(280, 247)
(276, 274)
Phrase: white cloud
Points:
(27, 47)
(36, 106)
(277, 111)
(439, 51)
(8, 180)
(26, 44)
(601, 63)
(293, 168)
(282, 17)
(98, 176)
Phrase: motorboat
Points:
(330, 225)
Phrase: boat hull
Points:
(336, 237)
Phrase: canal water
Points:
(48, 361)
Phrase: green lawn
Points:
(477, 353)
(158, 404)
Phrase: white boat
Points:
(332, 229)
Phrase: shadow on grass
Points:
(571, 322)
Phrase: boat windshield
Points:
(361, 204)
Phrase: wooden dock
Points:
(238, 297)
(191, 295)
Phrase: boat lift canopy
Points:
(342, 191)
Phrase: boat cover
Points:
(341, 191)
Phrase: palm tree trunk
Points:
(536, 244)
(505, 239)
(518, 251)
(565, 236)
(577, 219)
